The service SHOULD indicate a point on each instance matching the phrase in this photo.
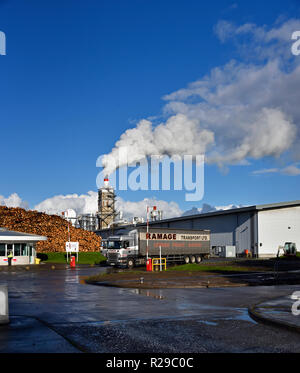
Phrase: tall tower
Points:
(106, 205)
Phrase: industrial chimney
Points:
(106, 205)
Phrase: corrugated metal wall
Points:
(228, 229)
(237, 229)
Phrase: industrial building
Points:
(260, 229)
(104, 217)
(22, 246)
(106, 205)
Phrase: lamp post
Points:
(153, 208)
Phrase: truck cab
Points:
(122, 250)
(103, 248)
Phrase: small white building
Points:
(21, 244)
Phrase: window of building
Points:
(31, 250)
(2, 249)
(9, 248)
(17, 249)
(24, 249)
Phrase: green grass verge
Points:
(83, 258)
(188, 268)
(211, 268)
(297, 257)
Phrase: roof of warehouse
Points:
(5, 234)
(278, 205)
(233, 211)
(221, 212)
(241, 209)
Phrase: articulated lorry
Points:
(133, 247)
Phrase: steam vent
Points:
(106, 205)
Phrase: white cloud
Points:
(238, 112)
(206, 208)
(132, 209)
(259, 42)
(292, 170)
(88, 203)
(82, 204)
(246, 107)
(265, 171)
(13, 201)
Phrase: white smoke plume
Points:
(238, 112)
(178, 136)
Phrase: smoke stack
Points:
(106, 182)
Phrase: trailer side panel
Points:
(173, 241)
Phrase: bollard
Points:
(149, 265)
(4, 315)
(72, 262)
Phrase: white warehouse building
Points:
(260, 229)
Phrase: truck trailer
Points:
(133, 247)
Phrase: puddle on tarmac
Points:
(147, 293)
(210, 323)
(243, 316)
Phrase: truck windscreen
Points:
(114, 245)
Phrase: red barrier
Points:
(73, 262)
(149, 265)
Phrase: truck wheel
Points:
(130, 263)
(192, 259)
(186, 259)
(198, 259)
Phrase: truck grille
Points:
(112, 257)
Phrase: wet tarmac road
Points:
(91, 318)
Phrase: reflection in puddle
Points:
(207, 322)
(243, 315)
(156, 295)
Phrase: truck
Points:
(103, 248)
(133, 247)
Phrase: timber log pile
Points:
(52, 226)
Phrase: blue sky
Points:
(77, 74)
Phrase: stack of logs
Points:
(51, 226)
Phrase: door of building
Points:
(31, 254)
(244, 240)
